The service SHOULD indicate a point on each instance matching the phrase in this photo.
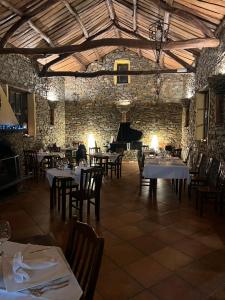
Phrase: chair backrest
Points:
(91, 181)
(188, 154)
(177, 152)
(221, 179)
(145, 147)
(119, 159)
(64, 183)
(30, 159)
(93, 150)
(84, 254)
(47, 162)
(141, 163)
(213, 173)
(203, 165)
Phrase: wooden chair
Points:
(197, 168)
(31, 163)
(84, 254)
(89, 190)
(188, 155)
(93, 160)
(46, 163)
(61, 190)
(211, 189)
(145, 148)
(142, 180)
(115, 166)
(201, 178)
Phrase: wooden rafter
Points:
(130, 43)
(111, 9)
(64, 56)
(18, 12)
(74, 13)
(179, 60)
(166, 22)
(43, 35)
(111, 73)
(186, 16)
(135, 15)
(77, 17)
(25, 18)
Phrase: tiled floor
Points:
(154, 249)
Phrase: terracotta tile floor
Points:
(154, 248)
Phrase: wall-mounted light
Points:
(154, 143)
(91, 141)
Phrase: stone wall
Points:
(210, 63)
(18, 71)
(91, 103)
(163, 120)
(141, 88)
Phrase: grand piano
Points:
(127, 138)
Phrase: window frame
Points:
(116, 64)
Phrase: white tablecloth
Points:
(71, 292)
(51, 173)
(166, 168)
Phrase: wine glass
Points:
(5, 234)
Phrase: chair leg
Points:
(97, 208)
(201, 204)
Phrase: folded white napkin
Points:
(20, 265)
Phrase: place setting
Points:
(34, 271)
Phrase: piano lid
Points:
(127, 134)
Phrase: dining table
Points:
(65, 172)
(167, 168)
(103, 158)
(42, 154)
(45, 280)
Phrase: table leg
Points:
(51, 197)
(180, 188)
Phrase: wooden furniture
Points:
(115, 166)
(143, 181)
(61, 190)
(88, 190)
(84, 254)
(197, 168)
(213, 188)
(201, 178)
(187, 155)
(30, 163)
(172, 168)
(93, 160)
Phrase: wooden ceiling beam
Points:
(135, 15)
(24, 19)
(64, 56)
(36, 29)
(18, 12)
(130, 43)
(74, 13)
(186, 16)
(111, 9)
(179, 60)
(111, 73)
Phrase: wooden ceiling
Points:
(55, 23)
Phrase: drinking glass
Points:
(5, 234)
